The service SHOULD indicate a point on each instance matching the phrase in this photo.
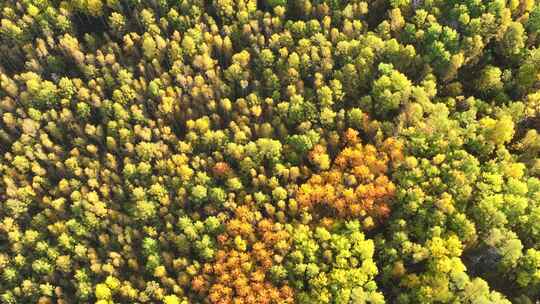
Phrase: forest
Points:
(270, 151)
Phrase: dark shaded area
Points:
(522, 127)
(84, 24)
(11, 58)
(377, 13)
(481, 262)
(526, 125)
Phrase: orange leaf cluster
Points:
(239, 276)
(357, 184)
(221, 169)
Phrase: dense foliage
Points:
(269, 151)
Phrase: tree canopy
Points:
(269, 151)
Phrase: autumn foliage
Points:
(239, 273)
(270, 151)
(357, 183)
